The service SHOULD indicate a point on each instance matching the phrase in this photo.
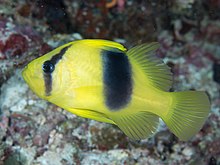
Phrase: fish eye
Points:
(48, 67)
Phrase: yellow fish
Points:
(103, 81)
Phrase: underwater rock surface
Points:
(33, 131)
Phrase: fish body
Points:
(102, 80)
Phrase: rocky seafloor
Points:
(35, 132)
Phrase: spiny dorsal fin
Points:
(103, 44)
(137, 126)
(156, 71)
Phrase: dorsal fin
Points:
(156, 71)
(103, 44)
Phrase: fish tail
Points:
(187, 113)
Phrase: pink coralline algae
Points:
(17, 40)
(12, 42)
(15, 45)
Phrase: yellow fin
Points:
(103, 43)
(90, 114)
(156, 71)
(137, 126)
(188, 113)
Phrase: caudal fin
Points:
(188, 113)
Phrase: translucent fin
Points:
(156, 71)
(189, 111)
(94, 115)
(137, 126)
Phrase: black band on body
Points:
(117, 79)
(48, 80)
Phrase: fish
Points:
(130, 88)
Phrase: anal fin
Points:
(137, 126)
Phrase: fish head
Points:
(44, 74)
(33, 75)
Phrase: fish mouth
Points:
(33, 80)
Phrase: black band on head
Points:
(48, 67)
